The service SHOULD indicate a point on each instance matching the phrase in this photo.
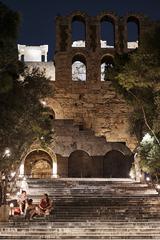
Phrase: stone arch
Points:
(107, 32)
(133, 31)
(56, 108)
(116, 164)
(112, 19)
(39, 162)
(80, 164)
(107, 62)
(79, 68)
(78, 30)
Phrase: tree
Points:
(10, 67)
(136, 76)
(23, 117)
(149, 151)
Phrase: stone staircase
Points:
(97, 199)
(90, 209)
(81, 230)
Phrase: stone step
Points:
(80, 232)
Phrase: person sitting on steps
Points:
(22, 201)
(44, 208)
(30, 208)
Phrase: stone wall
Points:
(89, 115)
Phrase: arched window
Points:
(78, 32)
(107, 63)
(79, 68)
(107, 33)
(132, 32)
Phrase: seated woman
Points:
(44, 208)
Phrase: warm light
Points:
(54, 169)
(158, 186)
(11, 205)
(43, 103)
(148, 179)
(132, 174)
(18, 193)
(7, 152)
(21, 170)
(13, 174)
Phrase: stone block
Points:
(4, 213)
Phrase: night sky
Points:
(38, 26)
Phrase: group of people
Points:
(30, 210)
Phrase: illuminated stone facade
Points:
(91, 119)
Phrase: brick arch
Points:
(79, 57)
(36, 148)
(78, 15)
(116, 165)
(56, 108)
(77, 20)
(135, 18)
(107, 61)
(80, 164)
(79, 67)
(121, 147)
(47, 159)
(112, 18)
(107, 56)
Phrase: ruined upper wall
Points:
(92, 29)
(93, 52)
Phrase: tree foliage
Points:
(23, 118)
(10, 67)
(136, 76)
(149, 151)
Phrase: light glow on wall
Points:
(54, 169)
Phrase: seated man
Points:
(44, 208)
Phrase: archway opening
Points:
(79, 70)
(38, 164)
(107, 63)
(78, 31)
(107, 32)
(80, 164)
(116, 165)
(132, 33)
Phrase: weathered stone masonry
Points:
(89, 115)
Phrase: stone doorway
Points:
(80, 165)
(116, 165)
(38, 164)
